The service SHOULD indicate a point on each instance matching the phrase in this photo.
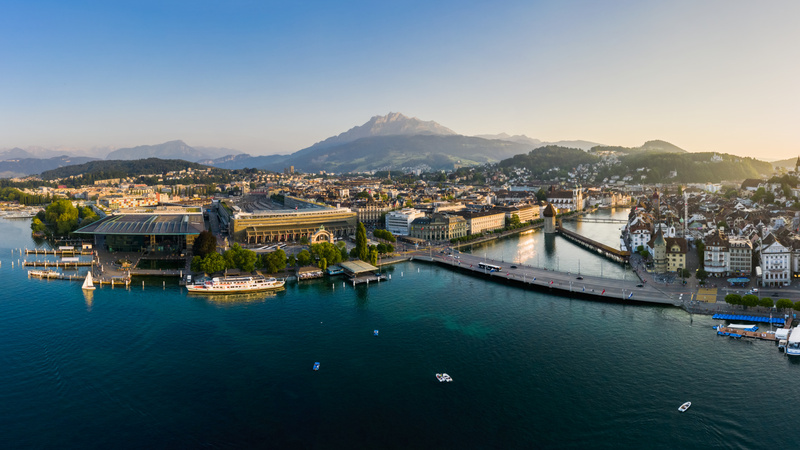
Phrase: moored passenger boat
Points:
(235, 284)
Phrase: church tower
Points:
(659, 243)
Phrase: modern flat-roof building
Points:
(398, 222)
(135, 231)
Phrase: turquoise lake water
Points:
(156, 368)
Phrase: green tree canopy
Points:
(240, 258)
(62, 216)
(750, 300)
(37, 226)
(766, 302)
(361, 242)
(327, 251)
(204, 244)
(783, 303)
(304, 258)
(733, 299)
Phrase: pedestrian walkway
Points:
(708, 295)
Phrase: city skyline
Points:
(275, 77)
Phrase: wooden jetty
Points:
(65, 265)
(38, 251)
(366, 279)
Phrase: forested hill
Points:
(691, 167)
(102, 170)
(553, 162)
(550, 159)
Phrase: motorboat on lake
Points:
(684, 406)
(442, 377)
(316, 366)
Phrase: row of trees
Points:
(767, 302)
(239, 258)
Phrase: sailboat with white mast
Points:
(87, 283)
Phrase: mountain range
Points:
(393, 142)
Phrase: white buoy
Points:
(142, 284)
(343, 284)
(164, 284)
(401, 274)
(333, 286)
(390, 276)
(417, 269)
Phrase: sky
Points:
(268, 77)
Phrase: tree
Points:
(240, 258)
(323, 264)
(291, 261)
(733, 299)
(62, 216)
(750, 300)
(783, 303)
(204, 244)
(385, 235)
(373, 257)
(326, 250)
(513, 221)
(766, 302)
(274, 261)
(214, 262)
(304, 258)
(196, 265)
(37, 226)
(796, 306)
(701, 274)
(361, 242)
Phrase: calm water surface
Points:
(155, 367)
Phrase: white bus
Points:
(489, 267)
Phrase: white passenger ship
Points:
(235, 285)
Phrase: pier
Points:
(594, 246)
(37, 251)
(65, 265)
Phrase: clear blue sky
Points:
(276, 76)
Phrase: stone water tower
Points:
(549, 215)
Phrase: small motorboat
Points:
(442, 377)
(685, 406)
(316, 366)
(375, 332)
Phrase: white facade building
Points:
(398, 222)
(776, 258)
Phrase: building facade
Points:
(776, 258)
(740, 257)
(677, 249)
(438, 227)
(478, 222)
(715, 256)
(398, 222)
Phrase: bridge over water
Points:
(577, 218)
(567, 284)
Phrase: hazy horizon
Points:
(275, 77)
